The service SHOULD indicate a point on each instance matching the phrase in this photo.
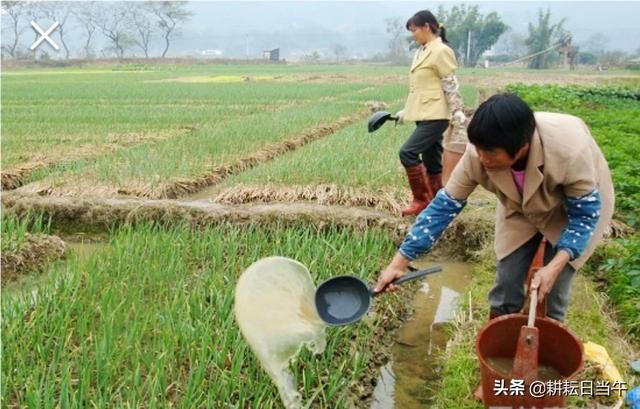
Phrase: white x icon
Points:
(45, 35)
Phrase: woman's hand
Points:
(394, 270)
(546, 277)
(386, 277)
(400, 116)
(543, 280)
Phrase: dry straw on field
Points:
(109, 212)
(36, 251)
(386, 200)
(182, 186)
(178, 187)
(14, 176)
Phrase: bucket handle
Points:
(536, 264)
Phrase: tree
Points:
(313, 58)
(587, 58)
(596, 44)
(395, 30)
(169, 14)
(35, 12)
(113, 21)
(511, 44)
(86, 15)
(613, 57)
(542, 37)
(469, 32)
(141, 17)
(60, 12)
(340, 51)
(13, 12)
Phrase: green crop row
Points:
(147, 321)
(618, 264)
(351, 157)
(166, 70)
(15, 230)
(208, 146)
(54, 112)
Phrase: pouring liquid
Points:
(274, 307)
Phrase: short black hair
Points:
(502, 121)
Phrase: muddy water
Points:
(505, 365)
(84, 249)
(208, 193)
(274, 307)
(403, 383)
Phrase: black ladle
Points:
(378, 119)
(346, 299)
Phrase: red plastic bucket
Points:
(559, 348)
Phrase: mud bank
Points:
(33, 255)
(386, 200)
(99, 212)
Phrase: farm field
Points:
(148, 320)
(177, 178)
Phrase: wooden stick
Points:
(532, 306)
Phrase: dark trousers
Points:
(425, 146)
(507, 295)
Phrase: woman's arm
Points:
(445, 65)
(428, 227)
(430, 224)
(451, 91)
(583, 213)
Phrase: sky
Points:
(241, 29)
(296, 27)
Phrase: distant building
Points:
(210, 53)
(272, 55)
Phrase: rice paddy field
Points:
(134, 196)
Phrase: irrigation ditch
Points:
(95, 212)
(91, 217)
(91, 212)
(469, 239)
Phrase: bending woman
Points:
(433, 100)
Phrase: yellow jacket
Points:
(426, 100)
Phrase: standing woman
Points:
(433, 100)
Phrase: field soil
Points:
(35, 253)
